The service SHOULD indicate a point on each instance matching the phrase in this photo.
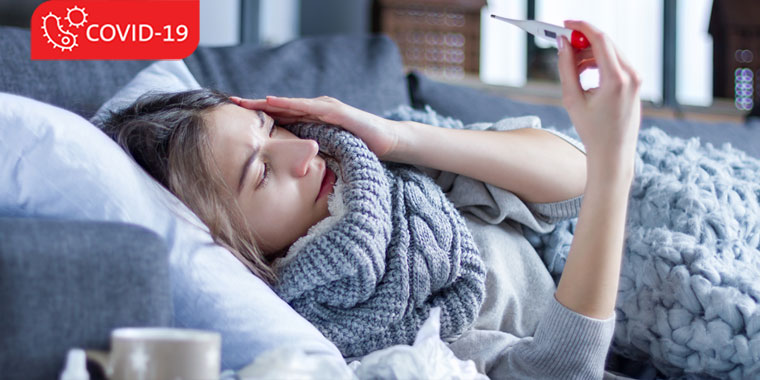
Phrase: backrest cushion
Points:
(363, 71)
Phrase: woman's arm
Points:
(607, 119)
(536, 165)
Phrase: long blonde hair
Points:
(166, 134)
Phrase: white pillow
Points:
(161, 76)
(56, 164)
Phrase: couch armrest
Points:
(67, 284)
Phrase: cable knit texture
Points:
(689, 296)
(369, 279)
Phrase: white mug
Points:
(156, 353)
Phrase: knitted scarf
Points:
(393, 247)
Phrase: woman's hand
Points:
(380, 135)
(607, 118)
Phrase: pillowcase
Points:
(56, 164)
(165, 76)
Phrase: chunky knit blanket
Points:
(393, 248)
(689, 295)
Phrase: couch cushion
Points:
(364, 71)
(63, 284)
(79, 86)
(472, 106)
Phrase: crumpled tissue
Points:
(428, 358)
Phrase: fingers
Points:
(290, 110)
(584, 59)
(635, 78)
(583, 54)
(317, 106)
(585, 65)
(568, 74)
(283, 120)
(269, 108)
(273, 105)
(603, 50)
(253, 104)
(263, 105)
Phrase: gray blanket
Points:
(689, 297)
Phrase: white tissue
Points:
(428, 358)
(294, 364)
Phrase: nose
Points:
(294, 153)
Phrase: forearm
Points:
(589, 281)
(536, 165)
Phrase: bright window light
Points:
(503, 52)
(634, 26)
(694, 49)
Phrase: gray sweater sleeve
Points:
(566, 345)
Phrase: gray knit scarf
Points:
(368, 280)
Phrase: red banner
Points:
(115, 29)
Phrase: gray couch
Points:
(66, 283)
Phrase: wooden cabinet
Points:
(440, 37)
(735, 28)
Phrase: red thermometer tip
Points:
(578, 40)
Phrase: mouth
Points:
(328, 181)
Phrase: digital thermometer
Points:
(548, 31)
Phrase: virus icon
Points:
(82, 15)
(62, 39)
(58, 36)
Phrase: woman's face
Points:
(282, 192)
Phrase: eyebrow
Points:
(253, 155)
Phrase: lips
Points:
(327, 183)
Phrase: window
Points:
(636, 27)
(694, 49)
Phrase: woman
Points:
(260, 188)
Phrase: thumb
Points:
(568, 72)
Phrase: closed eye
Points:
(267, 167)
(264, 176)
